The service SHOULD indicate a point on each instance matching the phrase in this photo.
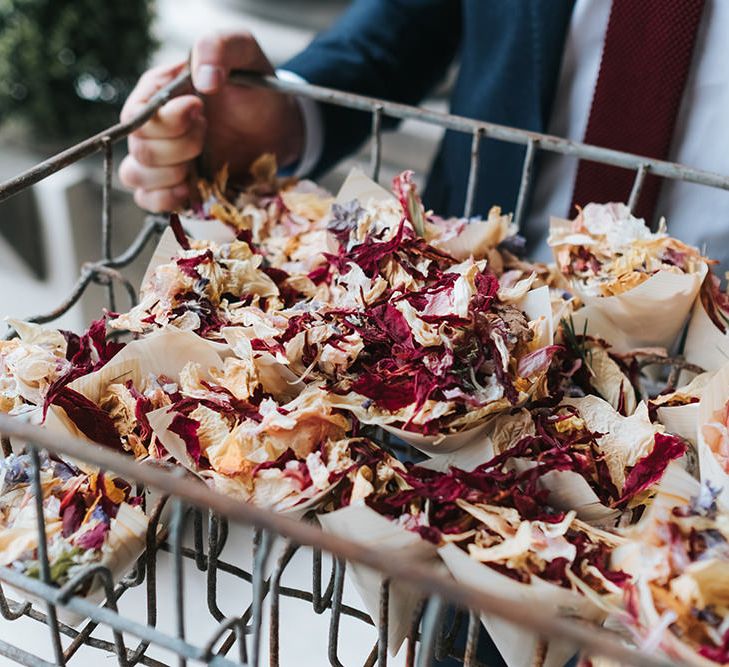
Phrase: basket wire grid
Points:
(209, 517)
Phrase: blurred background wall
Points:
(65, 68)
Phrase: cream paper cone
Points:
(518, 645)
(124, 544)
(467, 458)
(537, 306)
(649, 315)
(363, 525)
(163, 352)
(676, 488)
(126, 539)
(167, 248)
(359, 186)
(680, 420)
(683, 419)
(438, 444)
(715, 397)
(570, 491)
(207, 230)
(567, 490)
(706, 345)
(160, 421)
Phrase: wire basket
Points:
(200, 526)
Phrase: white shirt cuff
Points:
(313, 127)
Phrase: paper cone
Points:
(207, 230)
(167, 248)
(124, 544)
(467, 458)
(359, 186)
(163, 352)
(706, 345)
(681, 420)
(160, 421)
(363, 525)
(567, 490)
(537, 306)
(518, 645)
(570, 491)
(650, 315)
(438, 444)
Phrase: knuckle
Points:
(142, 151)
(191, 146)
(179, 173)
(128, 173)
(179, 122)
(150, 200)
(140, 199)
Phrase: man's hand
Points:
(231, 124)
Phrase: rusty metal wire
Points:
(236, 637)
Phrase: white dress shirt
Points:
(696, 214)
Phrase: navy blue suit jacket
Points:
(509, 53)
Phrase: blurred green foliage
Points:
(66, 66)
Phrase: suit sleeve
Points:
(394, 49)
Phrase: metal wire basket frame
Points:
(237, 639)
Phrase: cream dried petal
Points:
(212, 428)
(624, 440)
(510, 548)
(426, 334)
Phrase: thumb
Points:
(215, 55)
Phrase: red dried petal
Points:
(188, 265)
(88, 417)
(187, 428)
(179, 233)
(538, 361)
(650, 468)
(72, 516)
(94, 537)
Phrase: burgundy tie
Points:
(644, 66)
